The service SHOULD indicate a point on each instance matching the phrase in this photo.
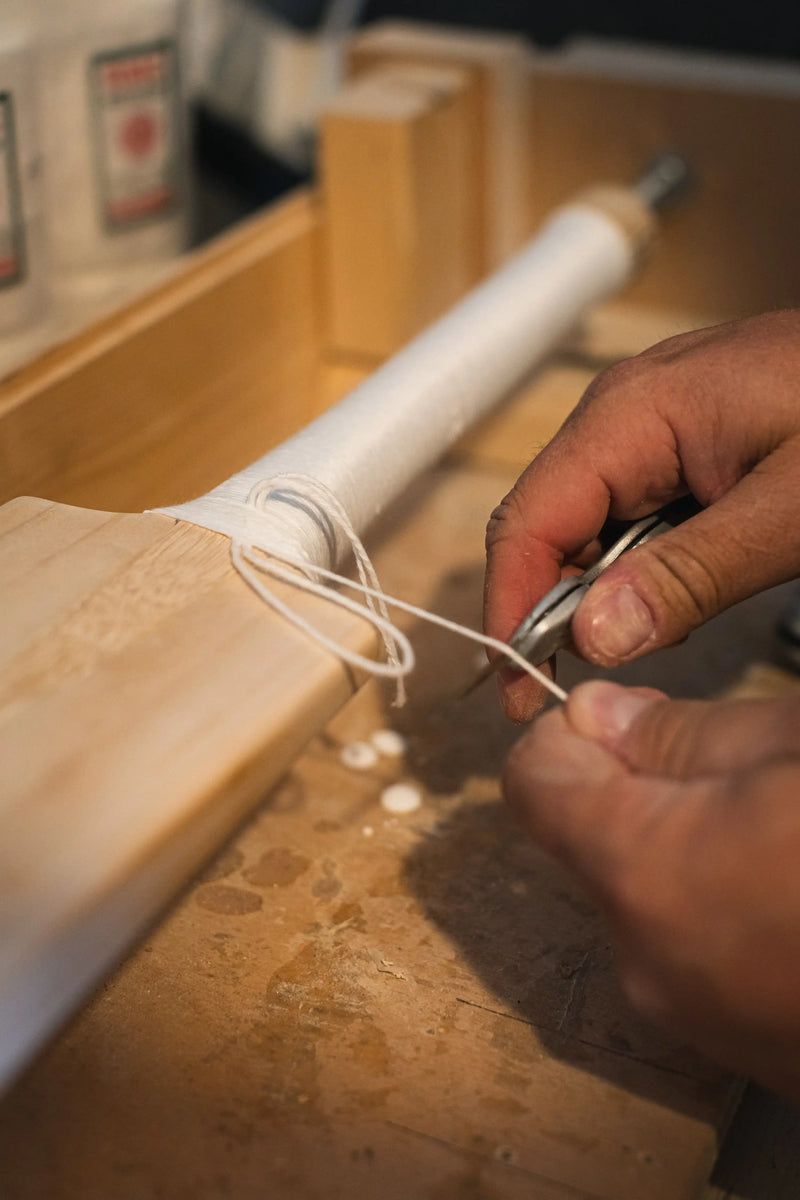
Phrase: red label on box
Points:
(12, 228)
(137, 133)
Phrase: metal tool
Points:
(664, 181)
(548, 626)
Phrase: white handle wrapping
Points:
(370, 446)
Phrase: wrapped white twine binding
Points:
(336, 475)
(257, 563)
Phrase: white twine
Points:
(252, 562)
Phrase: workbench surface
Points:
(349, 1002)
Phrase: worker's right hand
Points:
(716, 413)
(681, 818)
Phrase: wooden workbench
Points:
(348, 1002)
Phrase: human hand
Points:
(716, 413)
(683, 820)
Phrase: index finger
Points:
(615, 458)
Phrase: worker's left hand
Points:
(713, 413)
(683, 818)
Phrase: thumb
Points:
(683, 739)
(656, 594)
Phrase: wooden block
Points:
(180, 389)
(148, 699)
(601, 112)
(500, 65)
(402, 238)
(555, 122)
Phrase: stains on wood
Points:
(277, 867)
(430, 1011)
(225, 864)
(228, 901)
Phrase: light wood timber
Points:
(154, 618)
(160, 401)
(402, 240)
(599, 113)
(499, 64)
(429, 1010)
(182, 388)
(148, 698)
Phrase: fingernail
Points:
(520, 701)
(620, 622)
(605, 711)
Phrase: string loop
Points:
(253, 562)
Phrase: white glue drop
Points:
(401, 798)
(389, 741)
(359, 755)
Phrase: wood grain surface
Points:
(147, 699)
(353, 1002)
(498, 66)
(723, 251)
(402, 238)
(557, 121)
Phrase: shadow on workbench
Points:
(760, 1158)
(541, 951)
(534, 941)
(538, 950)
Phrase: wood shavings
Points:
(385, 967)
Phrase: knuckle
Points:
(611, 380)
(615, 376)
(686, 582)
(614, 379)
(503, 518)
(668, 738)
(628, 386)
